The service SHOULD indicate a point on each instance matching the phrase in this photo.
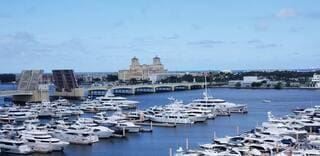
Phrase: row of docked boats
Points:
(33, 136)
(294, 135)
(109, 102)
(23, 130)
(64, 108)
(199, 110)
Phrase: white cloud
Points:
(287, 13)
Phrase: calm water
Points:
(159, 142)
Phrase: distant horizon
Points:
(181, 71)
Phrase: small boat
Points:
(266, 101)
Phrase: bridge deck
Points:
(146, 86)
(15, 93)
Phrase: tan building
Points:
(141, 72)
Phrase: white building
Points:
(316, 80)
(247, 81)
(160, 76)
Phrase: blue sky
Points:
(104, 35)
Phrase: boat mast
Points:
(205, 88)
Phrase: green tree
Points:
(278, 86)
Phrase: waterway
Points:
(162, 139)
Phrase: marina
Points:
(159, 78)
(196, 133)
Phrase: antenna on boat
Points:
(205, 84)
(205, 94)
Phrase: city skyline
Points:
(102, 36)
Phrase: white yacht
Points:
(100, 131)
(62, 102)
(14, 146)
(42, 141)
(12, 128)
(219, 104)
(128, 125)
(122, 102)
(91, 107)
(6, 119)
(104, 120)
(108, 106)
(76, 136)
(171, 117)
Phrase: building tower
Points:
(134, 62)
(156, 60)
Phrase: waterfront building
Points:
(141, 71)
(154, 78)
(316, 81)
(248, 80)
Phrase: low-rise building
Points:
(315, 81)
(247, 81)
(154, 78)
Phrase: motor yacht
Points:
(62, 102)
(108, 106)
(101, 131)
(75, 135)
(6, 119)
(122, 102)
(14, 146)
(42, 141)
(171, 117)
(104, 120)
(219, 104)
(129, 126)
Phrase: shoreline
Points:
(253, 88)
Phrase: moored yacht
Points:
(14, 146)
(104, 120)
(42, 141)
(100, 131)
(219, 104)
(129, 126)
(122, 102)
(76, 136)
(171, 117)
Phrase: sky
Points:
(102, 36)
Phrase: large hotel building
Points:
(141, 72)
